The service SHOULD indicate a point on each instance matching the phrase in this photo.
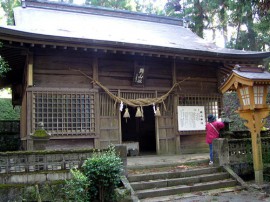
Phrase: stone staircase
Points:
(149, 186)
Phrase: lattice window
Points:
(245, 95)
(258, 94)
(64, 113)
(211, 103)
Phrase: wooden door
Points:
(109, 123)
(166, 138)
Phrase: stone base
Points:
(132, 148)
(40, 144)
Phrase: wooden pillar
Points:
(157, 136)
(257, 157)
(97, 107)
(95, 71)
(29, 104)
(175, 115)
(157, 132)
(30, 70)
(254, 124)
(175, 118)
(119, 122)
(29, 120)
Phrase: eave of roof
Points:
(13, 35)
(256, 76)
(244, 78)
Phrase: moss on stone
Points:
(41, 133)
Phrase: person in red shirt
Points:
(212, 132)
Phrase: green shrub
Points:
(7, 112)
(77, 188)
(9, 141)
(48, 191)
(99, 177)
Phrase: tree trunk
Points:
(198, 10)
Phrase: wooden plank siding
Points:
(166, 136)
(54, 71)
(109, 125)
(58, 71)
(194, 143)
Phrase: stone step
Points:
(170, 175)
(193, 196)
(159, 183)
(157, 192)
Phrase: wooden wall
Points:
(118, 72)
(202, 81)
(202, 77)
(195, 143)
(55, 69)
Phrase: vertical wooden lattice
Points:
(108, 106)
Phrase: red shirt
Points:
(211, 133)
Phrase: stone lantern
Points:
(251, 85)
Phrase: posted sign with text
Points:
(191, 118)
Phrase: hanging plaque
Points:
(139, 75)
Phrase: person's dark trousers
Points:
(211, 152)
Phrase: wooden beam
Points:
(30, 70)
(95, 71)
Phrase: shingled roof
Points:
(77, 24)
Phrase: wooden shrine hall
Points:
(97, 76)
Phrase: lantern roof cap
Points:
(245, 76)
(251, 72)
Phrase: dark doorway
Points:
(140, 130)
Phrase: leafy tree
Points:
(147, 6)
(7, 112)
(221, 15)
(4, 67)
(8, 6)
(116, 4)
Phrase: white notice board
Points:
(191, 118)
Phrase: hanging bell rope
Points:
(140, 102)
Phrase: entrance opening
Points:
(141, 130)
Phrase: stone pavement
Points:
(145, 161)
